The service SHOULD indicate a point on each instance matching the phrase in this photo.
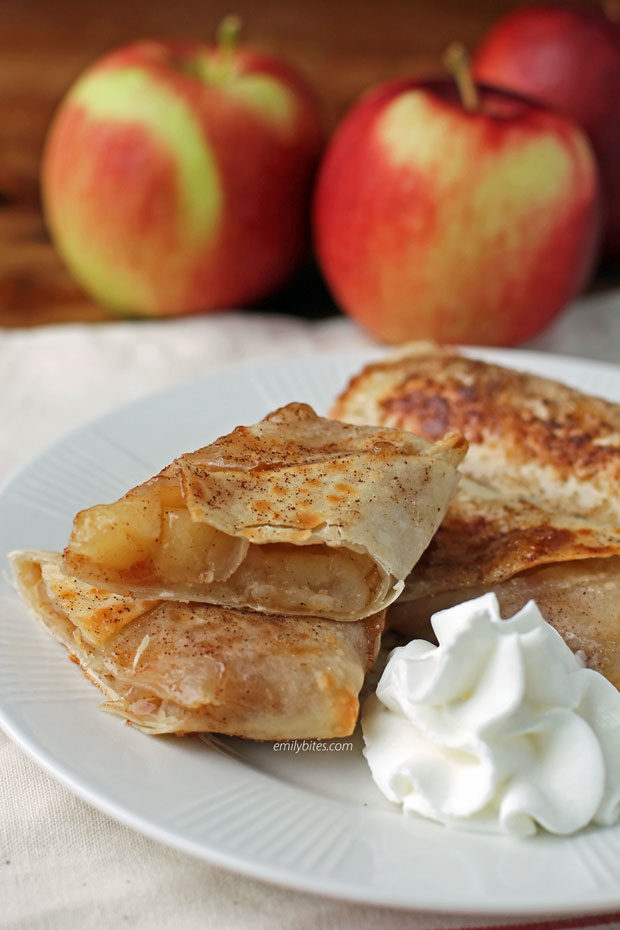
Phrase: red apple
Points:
(176, 176)
(569, 59)
(432, 220)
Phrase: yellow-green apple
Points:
(567, 58)
(463, 221)
(177, 176)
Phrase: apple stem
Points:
(611, 9)
(228, 32)
(456, 61)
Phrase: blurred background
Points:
(342, 47)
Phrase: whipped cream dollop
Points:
(498, 728)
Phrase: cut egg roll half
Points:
(179, 667)
(296, 515)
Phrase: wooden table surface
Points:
(342, 47)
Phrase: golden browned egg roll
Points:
(528, 436)
(538, 513)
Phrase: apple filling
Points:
(148, 544)
(302, 579)
(142, 541)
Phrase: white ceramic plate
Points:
(311, 820)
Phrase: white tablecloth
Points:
(63, 864)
